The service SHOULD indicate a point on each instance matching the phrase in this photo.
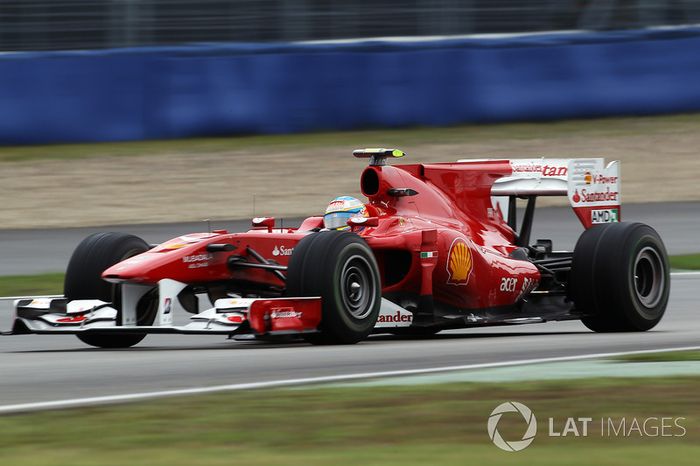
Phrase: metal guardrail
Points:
(88, 24)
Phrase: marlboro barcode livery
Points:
(431, 247)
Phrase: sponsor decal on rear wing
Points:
(593, 188)
(534, 177)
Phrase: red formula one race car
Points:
(434, 247)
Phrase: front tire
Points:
(620, 277)
(94, 255)
(341, 269)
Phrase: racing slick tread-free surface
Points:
(84, 280)
(603, 277)
(316, 269)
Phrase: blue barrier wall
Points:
(215, 89)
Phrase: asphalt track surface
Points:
(38, 368)
(25, 252)
(47, 368)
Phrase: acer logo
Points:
(508, 284)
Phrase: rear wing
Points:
(593, 188)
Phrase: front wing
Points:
(229, 316)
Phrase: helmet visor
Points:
(336, 220)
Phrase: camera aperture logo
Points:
(610, 427)
(528, 417)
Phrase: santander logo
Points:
(282, 251)
(395, 318)
(285, 313)
(596, 196)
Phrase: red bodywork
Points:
(446, 240)
(285, 315)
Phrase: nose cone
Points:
(135, 269)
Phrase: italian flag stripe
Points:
(428, 254)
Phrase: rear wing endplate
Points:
(593, 188)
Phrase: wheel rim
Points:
(649, 277)
(358, 287)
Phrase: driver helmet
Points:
(341, 209)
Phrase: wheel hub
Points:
(649, 277)
(357, 287)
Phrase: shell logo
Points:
(459, 263)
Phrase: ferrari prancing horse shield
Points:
(459, 263)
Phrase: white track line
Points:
(100, 400)
(685, 274)
(12, 298)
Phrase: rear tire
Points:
(341, 269)
(94, 255)
(620, 277)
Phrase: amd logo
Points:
(604, 216)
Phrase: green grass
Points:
(686, 262)
(27, 285)
(661, 357)
(418, 425)
(404, 137)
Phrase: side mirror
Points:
(262, 222)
